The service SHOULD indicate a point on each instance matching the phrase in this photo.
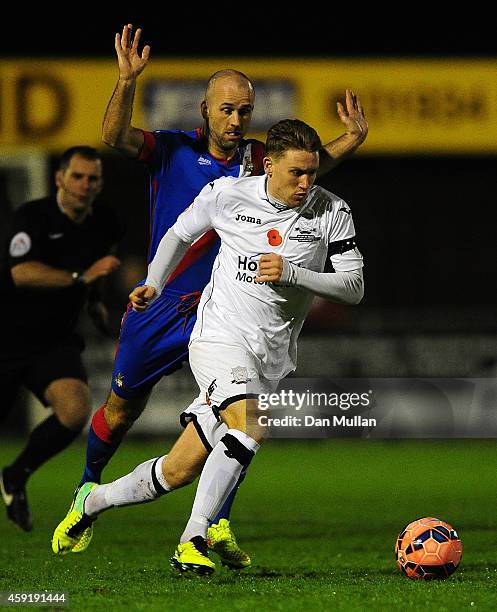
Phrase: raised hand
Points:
(131, 62)
(353, 116)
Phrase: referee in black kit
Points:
(56, 250)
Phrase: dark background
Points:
(253, 29)
(425, 224)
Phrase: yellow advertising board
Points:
(413, 106)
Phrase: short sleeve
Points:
(148, 148)
(26, 236)
(155, 151)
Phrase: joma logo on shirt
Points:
(240, 217)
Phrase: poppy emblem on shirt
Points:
(274, 238)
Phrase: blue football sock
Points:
(100, 448)
(98, 455)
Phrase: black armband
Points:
(342, 246)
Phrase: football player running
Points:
(250, 315)
(154, 344)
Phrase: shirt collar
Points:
(275, 203)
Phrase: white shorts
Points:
(224, 373)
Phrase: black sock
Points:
(45, 441)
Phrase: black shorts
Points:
(39, 367)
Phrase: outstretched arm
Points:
(117, 130)
(356, 131)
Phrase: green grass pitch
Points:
(319, 519)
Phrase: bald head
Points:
(228, 77)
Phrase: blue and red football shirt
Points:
(180, 167)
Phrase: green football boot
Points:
(75, 532)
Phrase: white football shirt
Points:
(265, 319)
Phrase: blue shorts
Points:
(153, 344)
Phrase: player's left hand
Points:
(352, 116)
(141, 297)
(270, 268)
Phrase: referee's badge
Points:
(20, 245)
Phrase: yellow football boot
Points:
(193, 557)
(75, 532)
(222, 541)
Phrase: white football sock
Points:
(219, 475)
(144, 484)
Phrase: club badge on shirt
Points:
(305, 231)
(240, 375)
